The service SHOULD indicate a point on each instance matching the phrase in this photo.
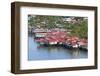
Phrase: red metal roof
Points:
(61, 36)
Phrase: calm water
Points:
(37, 52)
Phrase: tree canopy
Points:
(78, 28)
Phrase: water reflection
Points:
(40, 52)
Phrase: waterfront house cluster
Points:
(58, 37)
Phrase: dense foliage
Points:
(79, 28)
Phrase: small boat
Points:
(67, 45)
(75, 46)
(83, 45)
(52, 43)
(83, 48)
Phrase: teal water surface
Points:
(40, 52)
